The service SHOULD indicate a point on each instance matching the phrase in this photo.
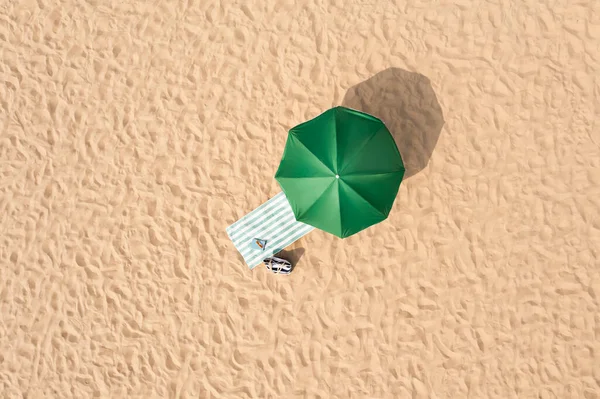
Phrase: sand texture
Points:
(133, 132)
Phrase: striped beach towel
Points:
(273, 221)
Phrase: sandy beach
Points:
(134, 132)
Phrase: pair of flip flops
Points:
(278, 265)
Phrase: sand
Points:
(133, 132)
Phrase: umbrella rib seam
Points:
(360, 149)
(375, 174)
(313, 204)
(367, 201)
(337, 143)
(314, 155)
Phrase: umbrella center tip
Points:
(337, 176)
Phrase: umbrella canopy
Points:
(341, 171)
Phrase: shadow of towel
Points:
(406, 103)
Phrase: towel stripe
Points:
(256, 217)
(259, 219)
(273, 221)
(267, 204)
(274, 227)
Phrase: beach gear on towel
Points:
(274, 223)
(257, 243)
(278, 265)
(341, 171)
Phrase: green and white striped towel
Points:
(273, 221)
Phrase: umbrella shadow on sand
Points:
(406, 103)
(293, 255)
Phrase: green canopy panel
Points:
(341, 171)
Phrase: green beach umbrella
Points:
(341, 171)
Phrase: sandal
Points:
(278, 265)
